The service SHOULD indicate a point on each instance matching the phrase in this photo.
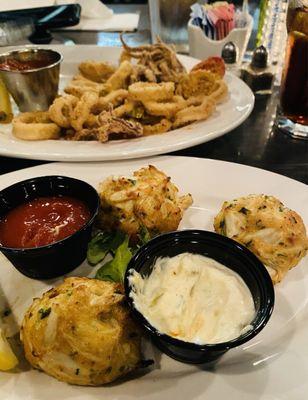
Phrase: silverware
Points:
(32, 89)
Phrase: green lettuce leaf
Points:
(103, 243)
(114, 270)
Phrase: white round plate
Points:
(228, 116)
(274, 365)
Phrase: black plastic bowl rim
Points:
(222, 346)
(44, 178)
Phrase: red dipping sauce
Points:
(43, 221)
(16, 65)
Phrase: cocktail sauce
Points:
(42, 221)
(23, 65)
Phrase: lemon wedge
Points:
(8, 359)
(6, 113)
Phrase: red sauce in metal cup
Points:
(16, 65)
(42, 221)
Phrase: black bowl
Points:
(60, 257)
(227, 252)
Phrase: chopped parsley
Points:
(44, 312)
(222, 226)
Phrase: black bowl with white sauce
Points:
(198, 294)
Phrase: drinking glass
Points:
(169, 19)
(292, 116)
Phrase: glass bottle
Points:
(229, 54)
(292, 115)
(258, 74)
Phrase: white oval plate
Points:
(228, 116)
(272, 366)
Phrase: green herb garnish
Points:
(143, 236)
(44, 312)
(222, 226)
(102, 244)
(116, 244)
(244, 210)
(114, 270)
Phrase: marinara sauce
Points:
(17, 65)
(43, 221)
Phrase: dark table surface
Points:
(254, 143)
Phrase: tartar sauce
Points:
(194, 298)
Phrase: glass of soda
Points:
(292, 116)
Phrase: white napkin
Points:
(22, 4)
(90, 8)
(95, 16)
(117, 23)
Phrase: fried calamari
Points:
(96, 71)
(36, 125)
(159, 59)
(149, 93)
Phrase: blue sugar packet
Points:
(211, 29)
(201, 19)
(196, 11)
(197, 15)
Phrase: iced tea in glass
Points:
(293, 111)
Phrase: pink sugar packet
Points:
(222, 17)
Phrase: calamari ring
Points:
(118, 79)
(197, 83)
(35, 126)
(82, 110)
(166, 109)
(113, 99)
(77, 90)
(115, 96)
(195, 113)
(125, 108)
(61, 110)
(83, 80)
(145, 91)
(79, 85)
(220, 93)
(96, 71)
(195, 100)
(162, 126)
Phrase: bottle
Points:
(258, 74)
(294, 85)
(271, 28)
(229, 54)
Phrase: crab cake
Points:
(81, 332)
(148, 200)
(273, 232)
